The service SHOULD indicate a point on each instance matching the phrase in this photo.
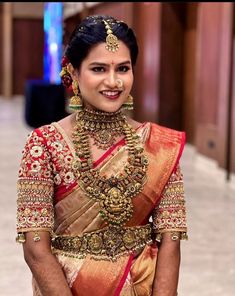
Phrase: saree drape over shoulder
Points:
(96, 259)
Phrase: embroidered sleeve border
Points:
(35, 205)
(170, 214)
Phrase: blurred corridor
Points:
(208, 258)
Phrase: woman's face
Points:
(100, 74)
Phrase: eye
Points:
(98, 69)
(123, 68)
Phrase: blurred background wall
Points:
(185, 72)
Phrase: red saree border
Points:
(108, 152)
(63, 191)
(181, 148)
(177, 144)
(123, 279)
(183, 141)
(176, 148)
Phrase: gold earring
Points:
(75, 101)
(128, 105)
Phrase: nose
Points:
(110, 80)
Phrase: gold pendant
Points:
(103, 139)
(116, 208)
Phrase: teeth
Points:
(110, 93)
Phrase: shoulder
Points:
(166, 133)
(133, 123)
(67, 123)
(162, 136)
(48, 131)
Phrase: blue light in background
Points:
(53, 34)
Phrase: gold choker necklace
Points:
(103, 127)
(114, 194)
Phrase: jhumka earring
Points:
(128, 105)
(75, 101)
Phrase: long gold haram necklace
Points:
(115, 193)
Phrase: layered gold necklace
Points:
(115, 193)
(103, 127)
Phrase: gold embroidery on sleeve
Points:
(34, 205)
(170, 214)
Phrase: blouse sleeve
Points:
(170, 213)
(35, 188)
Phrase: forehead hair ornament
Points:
(111, 40)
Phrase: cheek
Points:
(130, 82)
(87, 83)
(131, 78)
(92, 81)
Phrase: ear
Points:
(72, 71)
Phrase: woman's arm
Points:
(44, 266)
(167, 268)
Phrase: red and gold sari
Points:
(50, 199)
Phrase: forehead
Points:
(100, 54)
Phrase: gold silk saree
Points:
(96, 259)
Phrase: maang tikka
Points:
(111, 39)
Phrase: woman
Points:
(101, 207)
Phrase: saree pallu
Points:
(76, 215)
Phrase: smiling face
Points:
(105, 78)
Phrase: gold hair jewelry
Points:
(103, 127)
(111, 39)
(114, 193)
(119, 83)
(128, 105)
(75, 101)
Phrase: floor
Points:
(208, 257)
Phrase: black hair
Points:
(92, 31)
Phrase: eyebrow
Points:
(103, 64)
